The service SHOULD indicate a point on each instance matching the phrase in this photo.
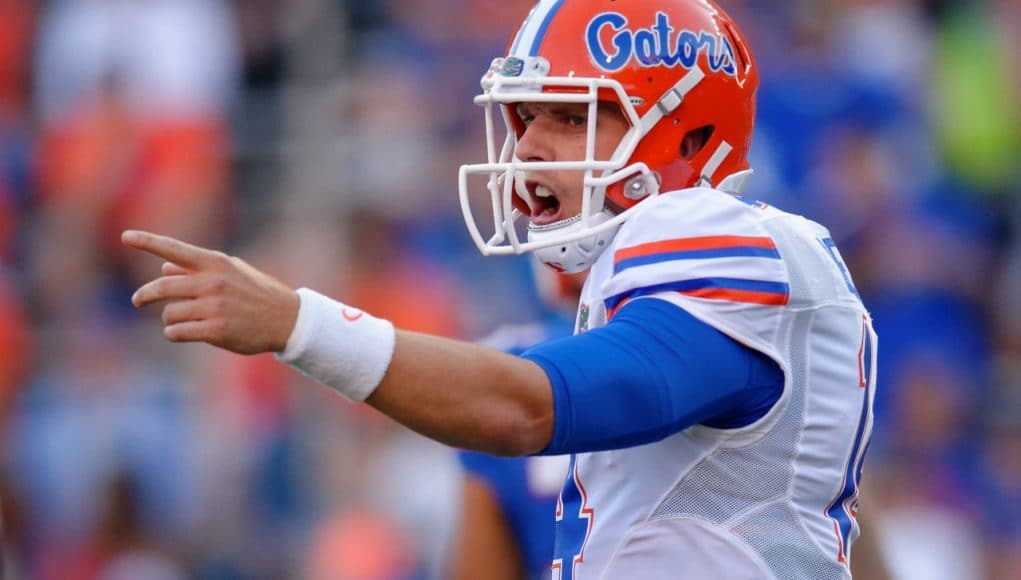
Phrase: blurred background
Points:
(320, 140)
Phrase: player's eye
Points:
(524, 114)
(577, 120)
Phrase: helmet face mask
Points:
(672, 67)
(506, 173)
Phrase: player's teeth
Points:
(543, 191)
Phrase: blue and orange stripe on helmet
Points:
(533, 31)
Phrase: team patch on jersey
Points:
(583, 314)
(656, 45)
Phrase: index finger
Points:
(170, 249)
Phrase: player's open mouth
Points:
(545, 206)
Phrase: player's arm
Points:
(485, 545)
(467, 395)
(667, 369)
(653, 371)
(455, 392)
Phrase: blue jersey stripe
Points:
(778, 288)
(542, 28)
(837, 510)
(733, 252)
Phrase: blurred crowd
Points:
(320, 140)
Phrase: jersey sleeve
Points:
(668, 369)
(708, 253)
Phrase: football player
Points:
(717, 397)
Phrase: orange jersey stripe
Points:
(748, 296)
(686, 244)
(767, 298)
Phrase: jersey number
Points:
(834, 254)
(574, 523)
(843, 509)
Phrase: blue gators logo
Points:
(657, 45)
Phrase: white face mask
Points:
(571, 244)
(574, 244)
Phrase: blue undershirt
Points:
(652, 371)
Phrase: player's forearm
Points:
(467, 395)
(455, 392)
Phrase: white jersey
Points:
(775, 499)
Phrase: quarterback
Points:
(716, 398)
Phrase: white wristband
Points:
(342, 347)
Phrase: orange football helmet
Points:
(672, 66)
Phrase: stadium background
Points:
(319, 139)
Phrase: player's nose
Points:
(534, 143)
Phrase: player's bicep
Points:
(653, 371)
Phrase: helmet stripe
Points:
(534, 29)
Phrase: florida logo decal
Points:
(658, 45)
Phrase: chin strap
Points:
(578, 255)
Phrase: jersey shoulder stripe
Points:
(699, 248)
(730, 289)
(725, 256)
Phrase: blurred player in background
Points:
(507, 502)
(717, 397)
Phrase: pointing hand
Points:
(215, 298)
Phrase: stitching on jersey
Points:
(648, 518)
(804, 320)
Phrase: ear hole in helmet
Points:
(695, 140)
